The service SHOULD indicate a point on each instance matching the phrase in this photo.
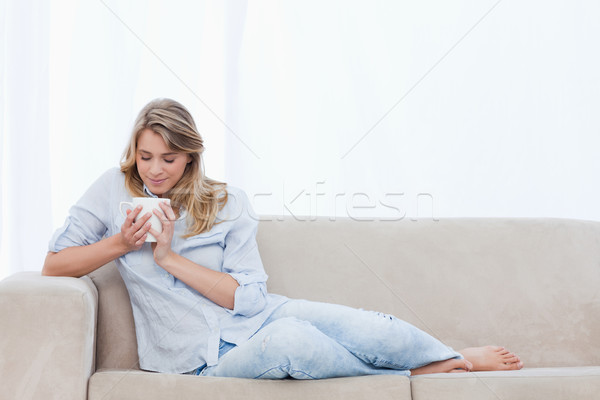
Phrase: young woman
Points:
(198, 293)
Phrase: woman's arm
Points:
(81, 260)
(218, 287)
(77, 261)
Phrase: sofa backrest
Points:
(116, 343)
(531, 285)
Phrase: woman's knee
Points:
(290, 338)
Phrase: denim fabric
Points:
(310, 340)
(177, 328)
(224, 347)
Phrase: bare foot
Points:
(492, 358)
(452, 365)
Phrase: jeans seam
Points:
(392, 365)
(281, 366)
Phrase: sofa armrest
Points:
(47, 343)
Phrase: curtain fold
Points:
(25, 207)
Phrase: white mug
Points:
(148, 204)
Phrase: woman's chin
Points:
(156, 190)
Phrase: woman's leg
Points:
(381, 340)
(385, 341)
(308, 340)
(289, 347)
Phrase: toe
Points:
(505, 367)
(512, 366)
(468, 365)
(519, 365)
(461, 365)
(503, 351)
(510, 360)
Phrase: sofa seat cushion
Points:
(113, 384)
(527, 384)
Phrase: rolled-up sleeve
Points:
(241, 258)
(88, 219)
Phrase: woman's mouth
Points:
(157, 182)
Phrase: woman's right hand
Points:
(133, 234)
(81, 260)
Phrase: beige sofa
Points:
(531, 285)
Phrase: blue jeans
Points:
(310, 340)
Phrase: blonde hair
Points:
(201, 197)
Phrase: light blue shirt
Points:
(177, 328)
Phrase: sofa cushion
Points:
(141, 385)
(528, 384)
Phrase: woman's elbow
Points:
(52, 266)
(250, 303)
(49, 266)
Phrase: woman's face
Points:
(159, 167)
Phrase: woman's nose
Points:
(155, 168)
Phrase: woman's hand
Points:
(162, 247)
(217, 286)
(133, 234)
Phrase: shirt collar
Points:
(148, 192)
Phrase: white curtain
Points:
(424, 109)
(25, 159)
(369, 110)
(74, 75)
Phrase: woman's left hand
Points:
(162, 246)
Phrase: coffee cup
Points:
(148, 204)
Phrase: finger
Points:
(131, 214)
(142, 239)
(168, 210)
(139, 237)
(164, 212)
(144, 229)
(161, 215)
(140, 223)
(154, 233)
